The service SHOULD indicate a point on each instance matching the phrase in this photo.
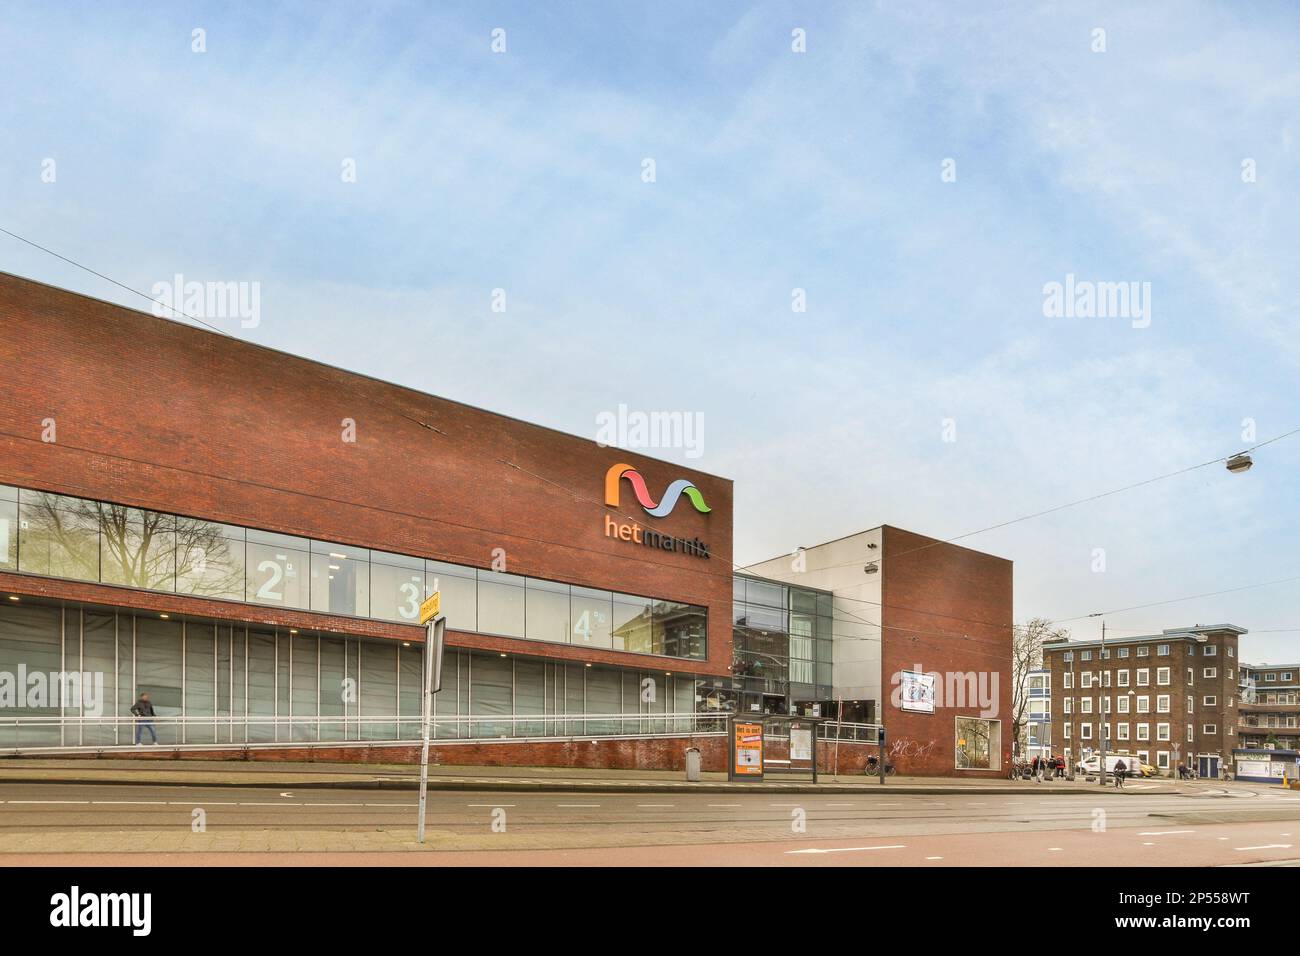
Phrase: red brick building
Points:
(1164, 698)
(246, 535)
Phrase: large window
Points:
(979, 744)
(58, 536)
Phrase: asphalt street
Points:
(112, 824)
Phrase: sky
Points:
(921, 171)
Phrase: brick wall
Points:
(162, 415)
(948, 609)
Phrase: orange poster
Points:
(749, 750)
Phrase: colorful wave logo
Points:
(666, 504)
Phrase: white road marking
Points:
(1163, 832)
(841, 804)
(934, 858)
(848, 849)
(1266, 846)
(136, 802)
(726, 806)
(49, 801)
(654, 804)
(333, 804)
(251, 804)
(1054, 849)
(577, 804)
(489, 806)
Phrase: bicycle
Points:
(873, 767)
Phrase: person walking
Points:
(142, 709)
(1121, 768)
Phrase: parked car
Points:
(1090, 766)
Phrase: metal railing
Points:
(23, 734)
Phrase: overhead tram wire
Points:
(735, 567)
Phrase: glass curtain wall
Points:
(83, 540)
(782, 648)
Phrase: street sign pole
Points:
(435, 631)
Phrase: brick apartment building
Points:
(1164, 698)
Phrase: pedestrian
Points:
(1060, 768)
(1040, 764)
(1121, 768)
(143, 711)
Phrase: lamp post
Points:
(1101, 699)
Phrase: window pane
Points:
(591, 614)
(332, 687)
(490, 694)
(340, 579)
(99, 659)
(378, 689)
(158, 673)
(303, 699)
(30, 637)
(396, 587)
(500, 604)
(136, 548)
(209, 559)
(8, 534)
(530, 696)
(459, 593)
(200, 677)
(678, 629)
(632, 623)
(277, 569)
(547, 611)
(410, 685)
(58, 536)
(604, 696)
(261, 685)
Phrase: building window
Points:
(1144, 732)
(1121, 731)
(1069, 705)
(1162, 650)
(1087, 680)
(1191, 735)
(1162, 704)
(1144, 677)
(1191, 676)
(1123, 704)
(1210, 650)
(1085, 731)
(1162, 731)
(1068, 656)
(1209, 729)
(1162, 676)
(1144, 652)
(1270, 677)
(1068, 682)
(1085, 655)
(1210, 700)
(1066, 734)
(1144, 704)
(1123, 652)
(1123, 678)
(978, 744)
(1085, 705)
(1162, 759)
(1211, 672)
(1231, 651)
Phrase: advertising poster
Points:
(749, 749)
(917, 692)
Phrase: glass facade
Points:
(57, 536)
(781, 653)
(237, 684)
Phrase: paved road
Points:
(85, 824)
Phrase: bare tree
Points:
(1027, 642)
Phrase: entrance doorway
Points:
(1207, 765)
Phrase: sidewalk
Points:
(238, 773)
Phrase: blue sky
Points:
(775, 170)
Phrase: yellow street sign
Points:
(430, 608)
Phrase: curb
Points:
(551, 786)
